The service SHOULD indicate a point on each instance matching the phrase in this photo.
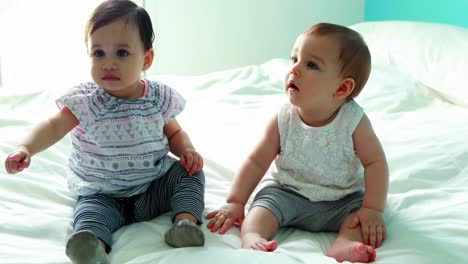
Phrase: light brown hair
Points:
(354, 54)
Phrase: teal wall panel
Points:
(438, 11)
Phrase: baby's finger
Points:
(372, 236)
(210, 224)
(189, 162)
(25, 163)
(227, 224)
(212, 214)
(199, 165)
(213, 225)
(183, 161)
(193, 169)
(10, 166)
(15, 156)
(219, 221)
(196, 166)
(15, 166)
(365, 234)
(380, 236)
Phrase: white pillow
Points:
(434, 54)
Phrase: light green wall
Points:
(201, 36)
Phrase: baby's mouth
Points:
(110, 77)
(293, 86)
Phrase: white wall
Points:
(42, 43)
(200, 36)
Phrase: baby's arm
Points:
(372, 156)
(43, 135)
(248, 177)
(181, 146)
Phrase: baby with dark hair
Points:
(122, 129)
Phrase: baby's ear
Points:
(149, 56)
(346, 88)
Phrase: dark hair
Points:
(111, 10)
(354, 53)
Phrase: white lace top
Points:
(319, 162)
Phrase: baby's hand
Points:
(224, 218)
(191, 161)
(373, 230)
(17, 161)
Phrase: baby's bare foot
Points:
(259, 243)
(352, 251)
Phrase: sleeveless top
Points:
(119, 146)
(318, 162)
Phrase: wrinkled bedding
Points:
(424, 137)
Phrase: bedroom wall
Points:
(42, 43)
(196, 37)
(447, 12)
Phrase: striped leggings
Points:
(176, 191)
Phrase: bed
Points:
(417, 99)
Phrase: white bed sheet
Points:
(424, 139)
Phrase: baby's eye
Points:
(293, 59)
(98, 53)
(312, 65)
(122, 53)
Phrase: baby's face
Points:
(117, 58)
(315, 71)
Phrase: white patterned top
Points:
(119, 147)
(319, 162)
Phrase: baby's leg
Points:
(96, 217)
(184, 196)
(348, 245)
(187, 205)
(259, 226)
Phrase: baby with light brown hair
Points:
(330, 172)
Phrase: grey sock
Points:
(85, 248)
(185, 233)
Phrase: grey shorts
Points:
(294, 210)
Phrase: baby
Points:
(122, 129)
(330, 170)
